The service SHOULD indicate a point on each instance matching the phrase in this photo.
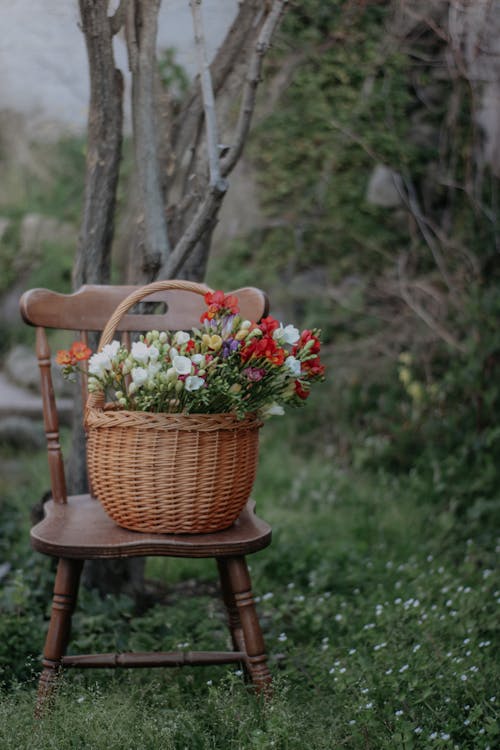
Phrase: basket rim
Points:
(114, 416)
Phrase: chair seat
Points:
(80, 529)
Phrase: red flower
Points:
(268, 325)
(313, 368)
(305, 337)
(190, 345)
(218, 302)
(300, 390)
(263, 348)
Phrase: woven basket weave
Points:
(168, 473)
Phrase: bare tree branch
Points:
(423, 314)
(92, 260)
(208, 97)
(204, 219)
(251, 83)
(117, 20)
(141, 29)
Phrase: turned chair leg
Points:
(233, 616)
(63, 605)
(239, 590)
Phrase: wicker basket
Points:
(168, 473)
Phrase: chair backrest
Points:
(88, 310)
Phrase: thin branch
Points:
(430, 322)
(409, 196)
(205, 217)
(117, 20)
(207, 93)
(252, 81)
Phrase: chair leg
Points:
(63, 605)
(233, 616)
(238, 580)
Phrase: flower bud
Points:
(179, 386)
(235, 388)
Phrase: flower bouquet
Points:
(173, 421)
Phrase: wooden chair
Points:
(75, 528)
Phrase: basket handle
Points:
(97, 398)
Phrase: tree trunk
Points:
(180, 173)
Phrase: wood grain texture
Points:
(91, 306)
(82, 530)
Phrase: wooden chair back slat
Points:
(91, 306)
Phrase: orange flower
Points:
(80, 351)
(64, 358)
(217, 302)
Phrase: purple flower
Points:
(254, 373)
(229, 346)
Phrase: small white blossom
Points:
(288, 335)
(140, 352)
(293, 364)
(139, 376)
(182, 365)
(181, 337)
(273, 410)
(193, 383)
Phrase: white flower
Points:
(182, 365)
(293, 365)
(99, 363)
(288, 335)
(193, 382)
(181, 337)
(153, 369)
(153, 353)
(197, 359)
(139, 376)
(111, 350)
(140, 352)
(273, 410)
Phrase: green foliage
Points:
(173, 75)
(378, 610)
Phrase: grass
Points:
(379, 616)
